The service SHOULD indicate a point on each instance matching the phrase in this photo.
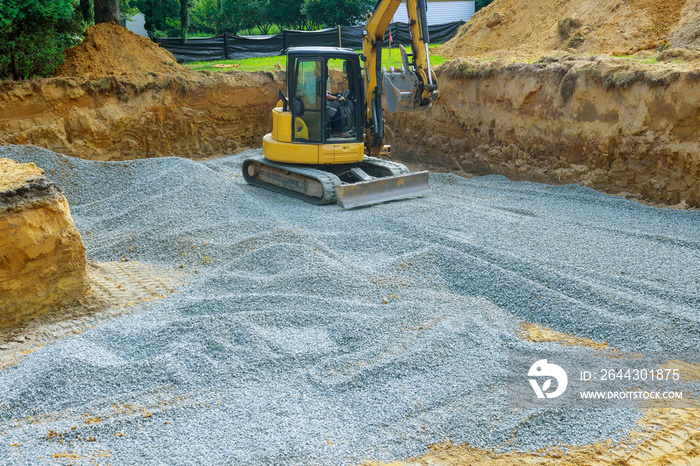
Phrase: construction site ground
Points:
(258, 329)
(230, 325)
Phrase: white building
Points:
(441, 11)
(136, 24)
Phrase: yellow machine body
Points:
(328, 130)
(278, 145)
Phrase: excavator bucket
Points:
(401, 88)
(382, 190)
(400, 91)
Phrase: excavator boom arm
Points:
(417, 85)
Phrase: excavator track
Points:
(378, 181)
(309, 184)
(395, 168)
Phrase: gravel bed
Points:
(277, 349)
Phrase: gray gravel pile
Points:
(278, 349)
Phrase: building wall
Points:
(137, 25)
(441, 12)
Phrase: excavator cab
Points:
(325, 89)
(320, 120)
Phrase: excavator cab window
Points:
(307, 109)
(340, 101)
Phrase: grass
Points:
(393, 57)
(389, 58)
(645, 60)
(245, 64)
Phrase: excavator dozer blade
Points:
(383, 190)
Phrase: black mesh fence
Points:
(227, 46)
(195, 49)
(246, 47)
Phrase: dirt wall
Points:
(42, 257)
(146, 115)
(614, 125)
(686, 33)
(535, 27)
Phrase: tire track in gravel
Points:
(116, 288)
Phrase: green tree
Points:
(261, 18)
(33, 35)
(107, 11)
(330, 13)
(482, 3)
(287, 14)
(204, 16)
(237, 15)
(86, 10)
(184, 19)
(127, 10)
(157, 13)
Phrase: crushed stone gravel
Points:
(278, 348)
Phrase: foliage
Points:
(482, 3)
(210, 17)
(216, 16)
(204, 16)
(237, 15)
(250, 16)
(287, 14)
(334, 12)
(156, 13)
(126, 9)
(86, 10)
(33, 35)
(261, 19)
(184, 18)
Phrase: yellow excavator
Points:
(328, 131)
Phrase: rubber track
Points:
(396, 168)
(328, 181)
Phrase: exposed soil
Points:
(15, 174)
(42, 257)
(619, 125)
(535, 27)
(561, 119)
(109, 49)
(526, 98)
(120, 96)
(538, 334)
(192, 115)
